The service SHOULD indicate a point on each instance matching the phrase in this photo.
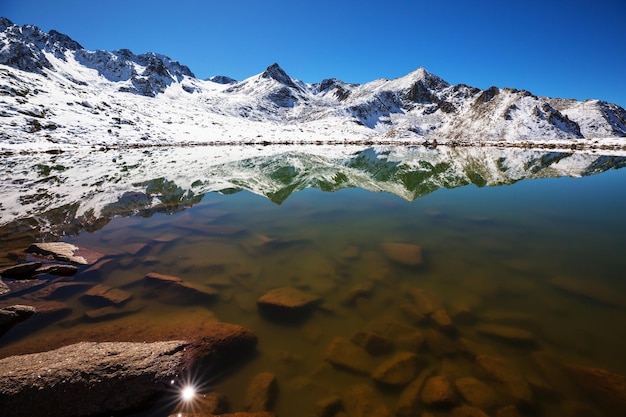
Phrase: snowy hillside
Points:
(55, 94)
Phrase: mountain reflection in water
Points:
(48, 195)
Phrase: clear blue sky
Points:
(559, 48)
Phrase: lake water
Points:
(524, 250)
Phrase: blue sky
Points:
(559, 48)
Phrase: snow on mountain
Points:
(56, 94)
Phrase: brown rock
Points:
(398, 370)
(440, 344)
(363, 401)
(403, 253)
(552, 369)
(413, 314)
(288, 298)
(238, 414)
(12, 315)
(66, 252)
(591, 290)
(442, 320)
(287, 304)
(128, 375)
(346, 355)
(22, 271)
(439, 392)
(363, 289)
(476, 393)
(501, 370)
(507, 334)
(373, 343)
(329, 406)
(508, 411)
(214, 403)
(606, 388)
(423, 301)
(57, 269)
(58, 290)
(111, 312)
(103, 295)
(175, 290)
(262, 392)
(467, 411)
(404, 337)
(410, 398)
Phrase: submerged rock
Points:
(500, 370)
(66, 252)
(373, 343)
(410, 399)
(363, 401)
(403, 253)
(24, 270)
(467, 411)
(174, 289)
(57, 269)
(476, 393)
(102, 295)
(398, 370)
(344, 354)
(438, 391)
(11, 315)
(262, 392)
(507, 334)
(606, 388)
(287, 304)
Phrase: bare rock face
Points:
(262, 392)
(66, 252)
(88, 378)
(11, 315)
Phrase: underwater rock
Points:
(176, 290)
(438, 391)
(102, 295)
(476, 393)
(66, 252)
(344, 354)
(507, 334)
(262, 392)
(57, 269)
(12, 315)
(500, 370)
(403, 253)
(328, 406)
(410, 399)
(58, 290)
(467, 411)
(362, 401)
(373, 343)
(607, 388)
(20, 271)
(287, 304)
(398, 370)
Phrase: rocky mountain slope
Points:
(55, 94)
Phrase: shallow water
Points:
(542, 255)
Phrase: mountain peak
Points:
(275, 72)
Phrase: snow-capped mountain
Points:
(54, 93)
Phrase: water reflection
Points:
(48, 195)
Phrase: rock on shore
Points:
(110, 377)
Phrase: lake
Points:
(522, 250)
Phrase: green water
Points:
(495, 254)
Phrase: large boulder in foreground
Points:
(108, 378)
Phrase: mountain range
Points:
(56, 94)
